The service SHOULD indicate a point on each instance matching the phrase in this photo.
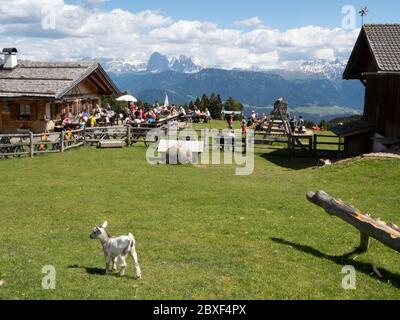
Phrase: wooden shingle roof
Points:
(384, 40)
(50, 79)
(377, 50)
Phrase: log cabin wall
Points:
(37, 90)
(22, 114)
(382, 104)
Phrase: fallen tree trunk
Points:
(386, 233)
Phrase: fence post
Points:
(315, 144)
(84, 136)
(31, 149)
(62, 141)
(129, 136)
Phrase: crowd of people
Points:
(198, 115)
(136, 116)
(262, 123)
(98, 115)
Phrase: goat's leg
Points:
(108, 260)
(114, 264)
(122, 261)
(134, 256)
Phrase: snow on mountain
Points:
(157, 63)
(119, 65)
(332, 70)
(185, 64)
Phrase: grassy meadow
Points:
(202, 232)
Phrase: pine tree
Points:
(198, 103)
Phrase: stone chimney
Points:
(10, 58)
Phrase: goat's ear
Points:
(105, 224)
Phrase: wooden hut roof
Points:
(52, 80)
(377, 50)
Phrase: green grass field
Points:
(202, 232)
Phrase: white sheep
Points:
(117, 249)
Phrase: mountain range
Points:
(182, 64)
(157, 63)
(314, 88)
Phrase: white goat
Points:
(117, 249)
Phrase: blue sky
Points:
(282, 14)
(251, 34)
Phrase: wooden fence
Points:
(329, 145)
(29, 144)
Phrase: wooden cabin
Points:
(375, 61)
(35, 95)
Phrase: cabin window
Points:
(24, 112)
(6, 109)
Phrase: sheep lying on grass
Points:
(117, 249)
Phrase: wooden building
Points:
(375, 61)
(34, 95)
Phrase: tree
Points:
(215, 106)
(117, 106)
(232, 105)
(323, 125)
(198, 103)
(205, 102)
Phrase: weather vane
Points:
(363, 12)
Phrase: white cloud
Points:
(254, 21)
(82, 31)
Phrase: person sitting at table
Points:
(66, 122)
(151, 117)
(182, 111)
(128, 121)
(68, 135)
(138, 114)
(197, 113)
(207, 116)
(44, 138)
(92, 120)
(300, 125)
(97, 112)
(230, 121)
(253, 117)
(243, 125)
(85, 115)
(82, 123)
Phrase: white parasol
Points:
(127, 98)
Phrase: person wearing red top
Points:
(230, 121)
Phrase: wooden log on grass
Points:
(386, 233)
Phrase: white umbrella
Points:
(127, 98)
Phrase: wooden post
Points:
(31, 145)
(364, 242)
(62, 141)
(129, 135)
(386, 233)
(315, 145)
(84, 136)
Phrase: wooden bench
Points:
(105, 144)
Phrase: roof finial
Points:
(363, 12)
